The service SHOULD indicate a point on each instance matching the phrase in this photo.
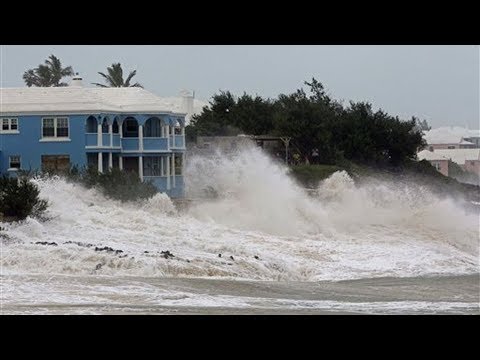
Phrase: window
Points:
(130, 127)
(9, 125)
(152, 166)
(62, 127)
(153, 128)
(55, 127)
(178, 165)
(451, 147)
(55, 163)
(14, 162)
(105, 126)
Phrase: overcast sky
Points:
(438, 83)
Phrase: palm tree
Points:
(48, 74)
(115, 77)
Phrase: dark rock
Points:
(46, 243)
(108, 249)
(231, 257)
(167, 254)
(256, 257)
(98, 267)
(78, 243)
(219, 255)
(145, 252)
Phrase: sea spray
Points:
(266, 226)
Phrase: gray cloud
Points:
(439, 83)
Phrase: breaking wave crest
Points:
(248, 219)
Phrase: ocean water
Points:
(260, 244)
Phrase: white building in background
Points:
(467, 159)
(438, 161)
(452, 138)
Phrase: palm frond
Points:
(130, 76)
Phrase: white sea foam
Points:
(345, 231)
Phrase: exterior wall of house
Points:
(85, 149)
(472, 166)
(30, 146)
(441, 166)
(433, 147)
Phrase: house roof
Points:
(72, 99)
(430, 155)
(449, 135)
(458, 156)
(465, 142)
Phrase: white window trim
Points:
(9, 131)
(55, 138)
(10, 168)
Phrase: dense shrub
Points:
(19, 198)
(114, 184)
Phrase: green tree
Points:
(216, 119)
(421, 125)
(253, 115)
(317, 125)
(114, 78)
(49, 74)
(308, 120)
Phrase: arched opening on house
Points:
(130, 128)
(177, 127)
(115, 128)
(105, 126)
(91, 125)
(153, 127)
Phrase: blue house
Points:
(126, 128)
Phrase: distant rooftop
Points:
(459, 156)
(449, 135)
(430, 156)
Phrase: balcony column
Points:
(100, 162)
(110, 161)
(120, 162)
(140, 167)
(168, 172)
(99, 134)
(140, 137)
(183, 130)
(110, 131)
(173, 170)
(172, 135)
(183, 164)
(161, 166)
